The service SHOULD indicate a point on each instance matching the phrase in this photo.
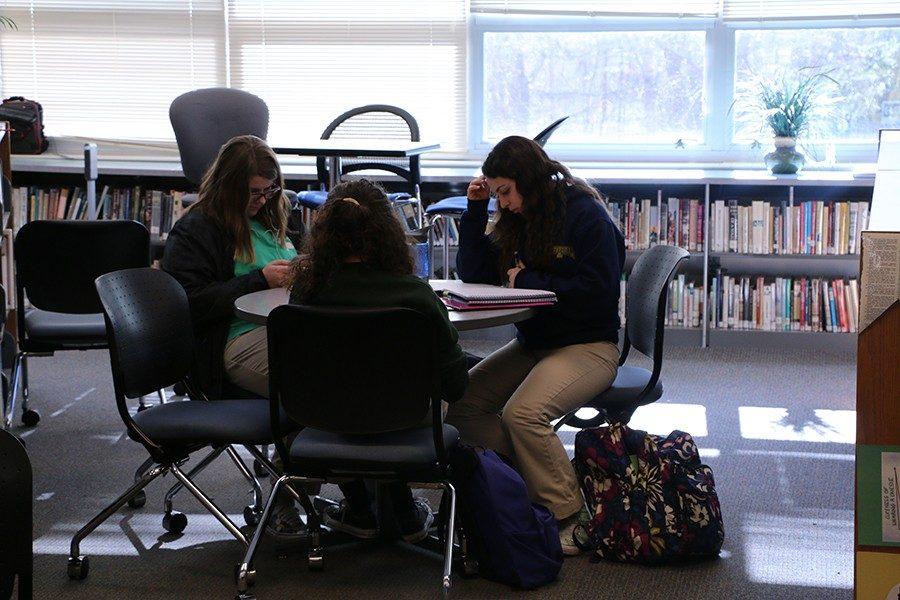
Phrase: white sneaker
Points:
(567, 532)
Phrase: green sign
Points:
(878, 495)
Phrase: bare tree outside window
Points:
(618, 87)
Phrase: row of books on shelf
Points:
(644, 223)
(810, 227)
(762, 303)
(158, 210)
(784, 303)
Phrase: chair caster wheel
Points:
(249, 578)
(316, 559)
(252, 516)
(259, 469)
(174, 522)
(30, 418)
(142, 407)
(78, 568)
(244, 596)
(138, 500)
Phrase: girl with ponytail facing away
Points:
(357, 256)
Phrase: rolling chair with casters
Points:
(15, 517)
(389, 122)
(151, 347)
(56, 263)
(452, 208)
(367, 426)
(645, 313)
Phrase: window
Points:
(629, 86)
(110, 68)
(864, 61)
(656, 81)
(313, 60)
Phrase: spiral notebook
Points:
(479, 296)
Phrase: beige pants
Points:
(513, 396)
(247, 361)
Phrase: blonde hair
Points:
(225, 192)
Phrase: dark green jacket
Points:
(358, 286)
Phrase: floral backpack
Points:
(651, 499)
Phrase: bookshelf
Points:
(748, 258)
(702, 184)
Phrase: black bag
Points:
(26, 119)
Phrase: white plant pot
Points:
(784, 141)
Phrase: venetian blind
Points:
(110, 68)
(692, 8)
(315, 59)
(767, 10)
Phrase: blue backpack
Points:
(513, 540)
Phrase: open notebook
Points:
(479, 296)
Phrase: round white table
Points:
(256, 307)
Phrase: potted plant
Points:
(790, 109)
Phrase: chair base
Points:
(440, 542)
(78, 565)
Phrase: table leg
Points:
(334, 171)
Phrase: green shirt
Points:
(265, 250)
(358, 285)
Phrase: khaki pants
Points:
(246, 361)
(513, 396)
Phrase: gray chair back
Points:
(148, 323)
(352, 370)
(205, 119)
(645, 299)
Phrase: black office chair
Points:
(373, 120)
(203, 120)
(151, 347)
(645, 313)
(452, 208)
(360, 409)
(56, 263)
(15, 517)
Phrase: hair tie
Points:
(351, 200)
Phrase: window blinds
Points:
(110, 68)
(728, 9)
(766, 10)
(315, 59)
(692, 8)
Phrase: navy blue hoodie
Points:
(589, 256)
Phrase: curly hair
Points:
(542, 183)
(356, 222)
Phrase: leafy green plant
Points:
(789, 107)
(7, 23)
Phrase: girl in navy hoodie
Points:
(553, 234)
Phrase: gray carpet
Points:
(776, 427)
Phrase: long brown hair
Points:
(356, 222)
(542, 183)
(225, 192)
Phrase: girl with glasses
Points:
(232, 242)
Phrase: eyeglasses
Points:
(269, 193)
